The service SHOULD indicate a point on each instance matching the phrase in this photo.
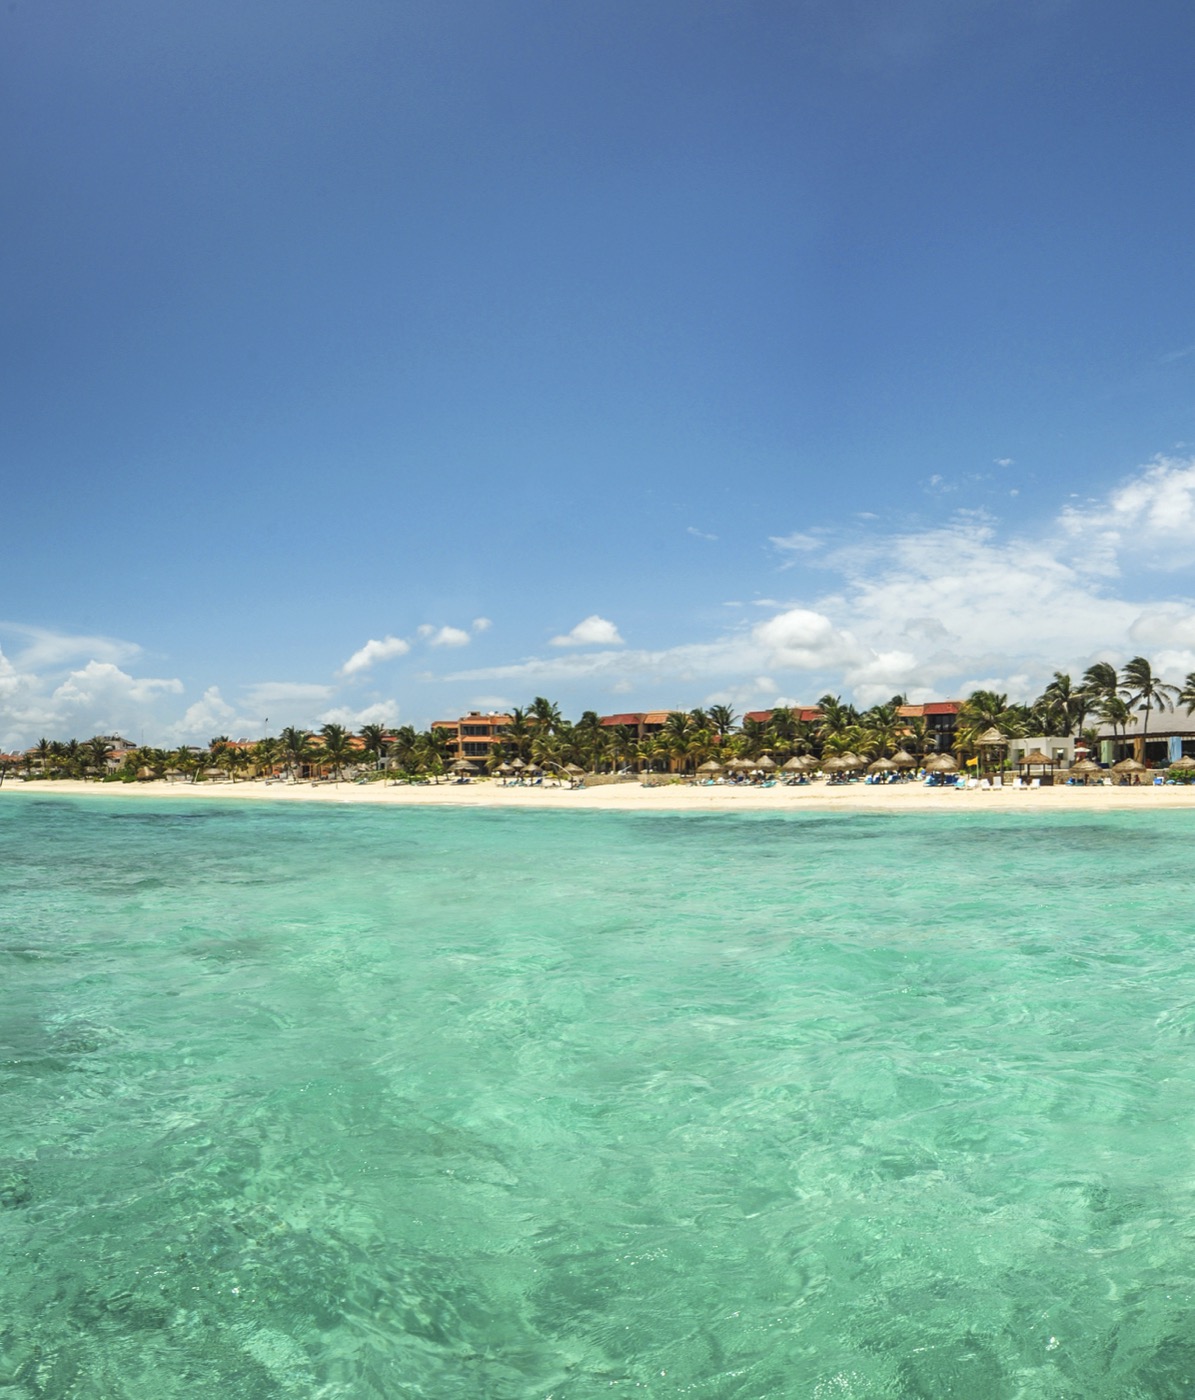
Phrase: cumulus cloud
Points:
(382, 712)
(448, 637)
(383, 649)
(482, 624)
(203, 720)
(591, 631)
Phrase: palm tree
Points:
(722, 720)
(338, 747)
(517, 735)
(96, 753)
(545, 714)
(1100, 680)
(624, 745)
(403, 745)
(374, 738)
(675, 735)
(1063, 707)
(1116, 712)
(1143, 689)
(265, 755)
(836, 715)
(1186, 696)
(296, 749)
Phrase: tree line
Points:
(539, 734)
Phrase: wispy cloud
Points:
(699, 534)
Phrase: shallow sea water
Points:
(352, 1103)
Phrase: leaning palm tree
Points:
(1186, 696)
(1143, 690)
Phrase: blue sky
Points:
(384, 360)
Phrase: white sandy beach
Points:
(633, 797)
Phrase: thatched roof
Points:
(1037, 759)
(765, 764)
(882, 765)
(991, 737)
(903, 759)
(711, 765)
(942, 763)
(1184, 764)
(1129, 765)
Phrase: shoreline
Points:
(632, 797)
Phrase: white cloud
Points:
(482, 624)
(382, 712)
(798, 542)
(930, 610)
(203, 720)
(700, 534)
(104, 684)
(373, 651)
(272, 695)
(44, 649)
(803, 640)
(449, 637)
(1149, 518)
(591, 631)
(1004, 461)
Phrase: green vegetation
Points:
(540, 735)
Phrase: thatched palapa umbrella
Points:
(851, 762)
(1129, 767)
(766, 764)
(462, 765)
(1085, 769)
(710, 766)
(904, 760)
(794, 765)
(882, 765)
(941, 763)
(1183, 765)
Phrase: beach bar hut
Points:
(1037, 759)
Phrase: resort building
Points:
(1171, 737)
(474, 735)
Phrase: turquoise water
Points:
(309, 1102)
